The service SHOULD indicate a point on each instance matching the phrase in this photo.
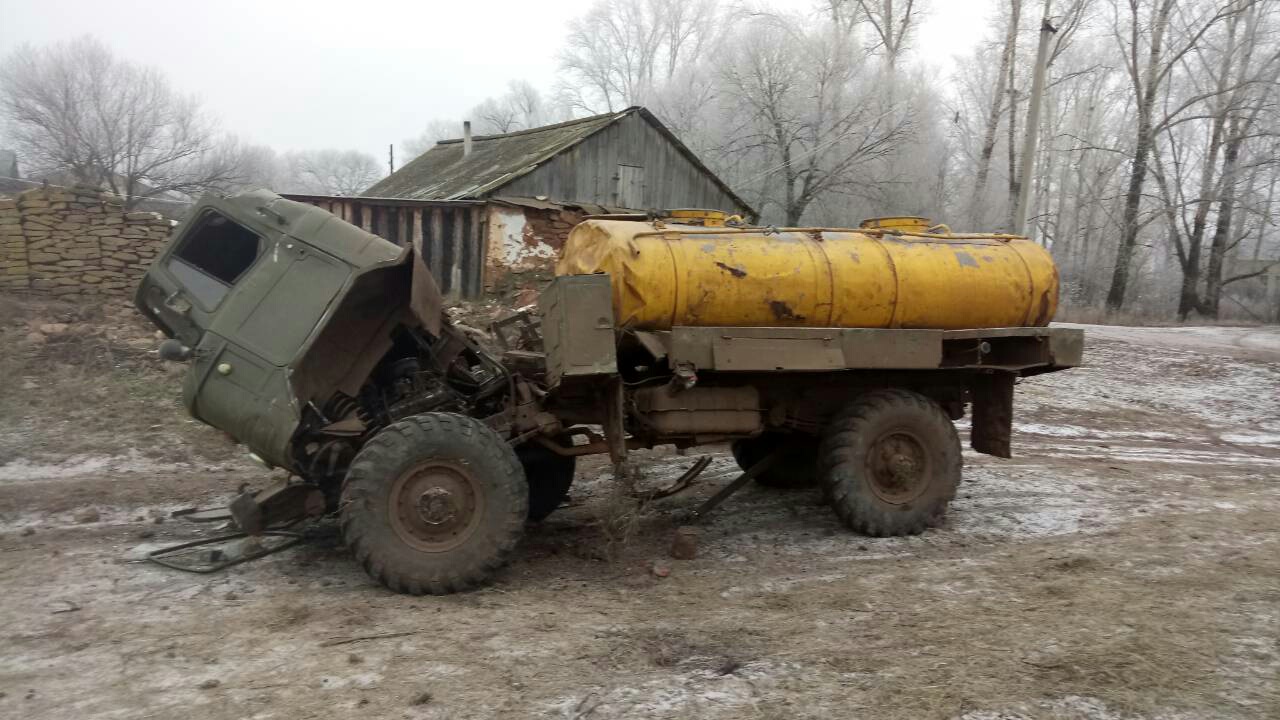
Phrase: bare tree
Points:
(435, 131)
(808, 107)
(259, 167)
(1146, 26)
(330, 172)
(520, 108)
(76, 108)
(994, 111)
(892, 22)
(1253, 92)
(844, 14)
(622, 50)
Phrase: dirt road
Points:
(1126, 564)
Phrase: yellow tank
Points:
(891, 273)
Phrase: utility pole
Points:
(391, 159)
(1047, 31)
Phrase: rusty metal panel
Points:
(757, 349)
(898, 349)
(772, 351)
(700, 410)
(577, 327)
(1066, 347)
(799, 349)
(992, 413)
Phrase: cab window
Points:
(212, 257)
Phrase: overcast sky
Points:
(360, 73)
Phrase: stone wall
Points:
(75, 241)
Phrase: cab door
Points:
(186, 285)
(257, 332)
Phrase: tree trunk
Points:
(1189, 297)
(1222, 233)
(1012, 202)
(1132, 203)
(993, 116)
(1266, 215)
(1147, 91)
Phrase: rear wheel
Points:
(890, 463)
(798, 466)
(434, 504)
(549, 476)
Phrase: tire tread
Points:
(840, 464)
(387, 450)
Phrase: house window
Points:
(631, 187)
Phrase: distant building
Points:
(626, 159)
(484, 209)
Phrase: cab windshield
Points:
(212, 256)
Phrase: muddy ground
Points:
(1125, 564)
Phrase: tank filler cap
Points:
(910, 223)
(697, 216)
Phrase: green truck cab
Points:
(279, 304)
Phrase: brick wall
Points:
(75, 241)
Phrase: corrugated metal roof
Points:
(443, 173)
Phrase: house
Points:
(626, 159)
(482, 208)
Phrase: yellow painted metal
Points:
(896, 222)
(667, 274)
(698, 216)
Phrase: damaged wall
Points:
(75, 241)
(525, 239)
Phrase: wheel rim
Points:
(435, 506)
(898, 467)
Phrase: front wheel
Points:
(434, 504)
(890, 463)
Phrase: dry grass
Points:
(620, 516)
(81, 390)
(686, 648)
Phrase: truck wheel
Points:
(434, 504)
(890, 463)
(549, 476)
(798, 466)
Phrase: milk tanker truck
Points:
(836, 357)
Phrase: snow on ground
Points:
(1122, 566)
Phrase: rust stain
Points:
(736, 272)
(783, 311)
(1042, 317)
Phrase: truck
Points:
(841, 358)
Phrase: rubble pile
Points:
(100, 334)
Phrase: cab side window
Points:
(213, 256)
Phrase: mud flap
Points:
(992, 413)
